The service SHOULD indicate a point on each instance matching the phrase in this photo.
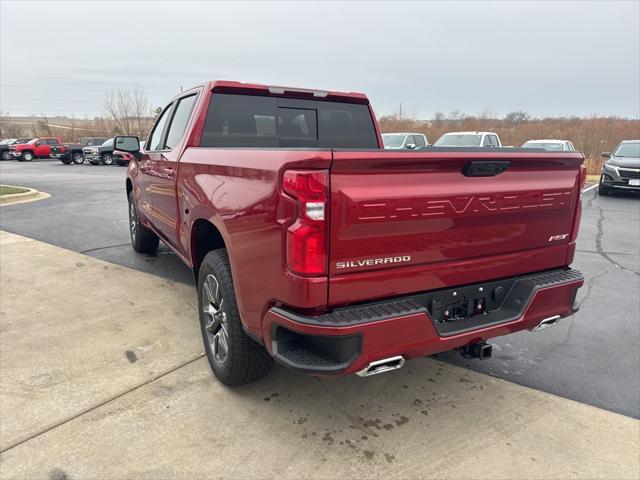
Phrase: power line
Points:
(69, 79)
(50, 99)
(156, 92)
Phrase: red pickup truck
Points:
(36, 148)
(312, 245)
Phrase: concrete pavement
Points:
(102, 377)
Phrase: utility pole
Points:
(400, 111)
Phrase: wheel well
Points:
(204, 238)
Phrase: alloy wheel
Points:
(215, 319)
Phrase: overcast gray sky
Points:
(548, 58)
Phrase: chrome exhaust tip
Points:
(547, 322)
(382, 366)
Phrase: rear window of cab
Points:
(270, 122)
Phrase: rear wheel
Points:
(234, 358)
(27, 156)
(107, 159)
(5, 156)
(143, 240)
(78, 158)
(66, 161)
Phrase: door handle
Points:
(169, 172)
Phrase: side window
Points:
(156, 135)
(180, 120)
(493, 140)
(487, 141)
(419, 141)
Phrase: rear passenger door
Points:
(165, 166)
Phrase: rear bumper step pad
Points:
(512, 298)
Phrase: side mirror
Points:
(37, 144)
(410, 146)
(606, 155)
(127, 144)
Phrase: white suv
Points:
(551, 145)
(469, 139)
(404, 141)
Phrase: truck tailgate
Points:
(414, 221)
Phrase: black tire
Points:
(66, 161)
(27, 156)
(77, 158)
(143, 240)
(5, 156)
(244, 360)
(603, 189)
(123, 163)
(107, 159)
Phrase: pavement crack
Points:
(589, 285)
(103, 248)
(100, 404)
(599, 236)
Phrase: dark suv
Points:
(622, 169)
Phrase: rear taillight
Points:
(306, 238)
(63, 149)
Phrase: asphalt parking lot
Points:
(593, 357)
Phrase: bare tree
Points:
(129, 110)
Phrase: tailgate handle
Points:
(483, 168)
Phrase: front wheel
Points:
(107, 159)
(602, 188)
(5, 156)
(27, 156)
(143, 240)
(78, 158)
(234, 358)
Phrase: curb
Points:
(29, 196)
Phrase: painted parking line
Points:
(589, 188)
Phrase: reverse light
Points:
(306, 238)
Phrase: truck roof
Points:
(548, 141)
(226, 86)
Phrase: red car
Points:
(37, 148)
(313, 246)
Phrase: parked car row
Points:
(412, 141)
(95, 150)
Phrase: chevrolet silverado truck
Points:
(72, 152)
(312, 245)
(35, 148)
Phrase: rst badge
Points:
(554, 238)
